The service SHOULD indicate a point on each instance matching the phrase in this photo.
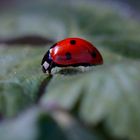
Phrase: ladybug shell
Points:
(72, 51)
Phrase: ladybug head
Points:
(46, 62)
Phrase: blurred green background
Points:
(92, 103)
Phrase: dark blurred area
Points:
(135, 4)
(4, 4)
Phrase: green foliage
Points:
(104, 98)
(109, 94)
(11, 101)
(110, 29)
(19, 77)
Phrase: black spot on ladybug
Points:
(94, 54)
(72, 42)
(68, 55)
(53, 45)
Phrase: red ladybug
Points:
(71, 52)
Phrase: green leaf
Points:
(20, 78)
(109, 94)
(61, 125)
(12, 98)
(24, 127)
(127, 46)
(36, 124)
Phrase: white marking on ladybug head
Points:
(50, 50)
(56, 50)
(46, 65)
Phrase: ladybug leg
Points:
(50, 67)
(49, 71)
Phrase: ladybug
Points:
(71, 52)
